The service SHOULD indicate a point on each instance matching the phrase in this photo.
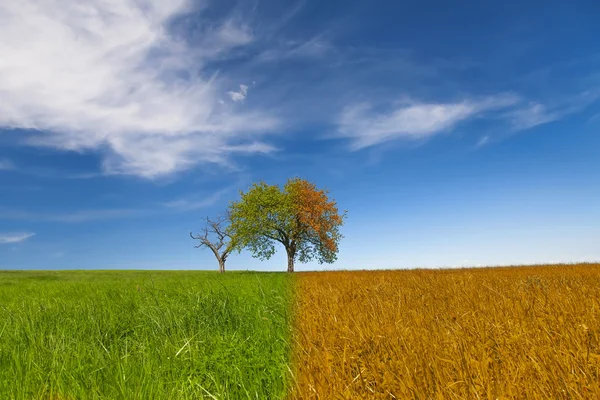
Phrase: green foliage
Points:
(299, 216)
(144, 335)
(262, 216)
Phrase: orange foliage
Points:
(316, 212)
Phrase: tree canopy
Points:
(300, 216)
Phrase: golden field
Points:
(491, 333)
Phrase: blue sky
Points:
(453, 135)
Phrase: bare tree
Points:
(215, 237)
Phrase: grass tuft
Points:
(144, 335)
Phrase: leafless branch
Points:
(216, 229)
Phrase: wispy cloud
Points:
(110, 76)
(231, 33)
(411, 120)
(102, 214)
(194, 204)
(6, 165)
(53, 173)
(74, 216)
(6, 238)
(314, 48)
(483, 141)
(532, 115)
(537, 113)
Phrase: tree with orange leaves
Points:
(301, 217)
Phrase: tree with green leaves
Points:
(299, 216)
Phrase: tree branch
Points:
(223, 238)
(284, 237)
(277, 239)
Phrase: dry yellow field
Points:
(493, 333)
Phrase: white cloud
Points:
(186, 204)
(193, 204)
(239, 96)
(73, 216)
(536, 113)
(233, 33)
(314, 48)
(6, 165)
(411, 120)
(6, 238)
(108, 75)
(483, 141)
(532, 115)
(101, 214)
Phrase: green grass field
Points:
(144, 335)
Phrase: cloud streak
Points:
(7, 238)
(110, 76)
(533, 115)
(189, 204)
(410, 120)
(102, 214)
(73, 216)
(536, 113)
(6, 165)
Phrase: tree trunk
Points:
(221, 266)
(291, 257)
